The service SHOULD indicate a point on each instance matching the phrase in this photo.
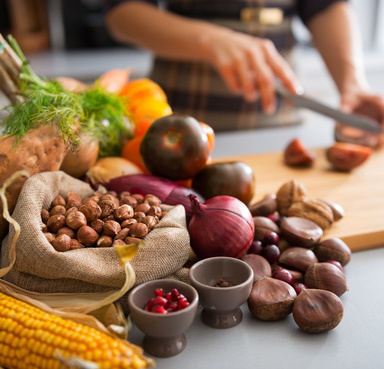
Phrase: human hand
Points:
(249, 65)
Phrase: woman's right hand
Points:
(249, 65)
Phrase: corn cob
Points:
(31, 338)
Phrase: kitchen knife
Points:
(352, 120)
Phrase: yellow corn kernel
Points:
(33, 339)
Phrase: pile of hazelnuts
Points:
(101, 220)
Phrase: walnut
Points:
(139, 230)
(289, 193)
(111, 228)
(62, 242)
(314, 210)
(124, 212)
(56, 222)
(87, 235)
(76, 219)
(91, 210)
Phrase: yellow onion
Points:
(221, 226)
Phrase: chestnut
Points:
(317, 311)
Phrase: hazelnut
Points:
(111, 227)
(107, 206)
(298, 258)
(49, 236)
(58, 209)
(317, 311)
(271, 299)
(154, 210)
(56, 222)
(150, 222)
(44, 228)
(76, 219)
(68, 231)
(121, 235)
(97, 225)
(124, 194)
(112, 193)
(152, 200)
(138, 230)
(110, 197)
(75, 245)
(333, 249)
(124, 212)
(62, 242)
(139, 216)
(58, 200)
(129, 200)
(326, 276)
(91, 210)
(127, 223)
(118, 243)
(73, 208)
(289, 193)
(73, 199)
(104, 241)
(45, 215)
(87, 235)
(132, 240)
(144, 207)
(139, 198)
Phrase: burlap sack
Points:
(40, 268)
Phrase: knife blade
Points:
(352, 120)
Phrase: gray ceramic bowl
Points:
(221, 305)
(164, 333)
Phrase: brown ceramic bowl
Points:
(221, 305)
(164, 333)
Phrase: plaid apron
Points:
(196, 88)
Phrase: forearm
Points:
(336, 36)
(165, 34)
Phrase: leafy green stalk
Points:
(94, 111)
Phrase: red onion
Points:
(221, 226)
(167, 191)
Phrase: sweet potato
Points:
(41, 150)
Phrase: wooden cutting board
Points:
(360, 192)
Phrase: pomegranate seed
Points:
(172, 306)
(271, 238)
(168, 296)
(159, 309)
(158, 300)
(255, 248)
(298, 287)
(271, 253)
(283, 275)
(182, 303)
(159, 292)
(175, 294)
(335, 263)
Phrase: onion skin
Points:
(167, 191)
(221, 226)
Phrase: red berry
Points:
(255, 247)
(271, 238)
(271, 253)
(283, 275)
(298, 287)
(274, 217)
